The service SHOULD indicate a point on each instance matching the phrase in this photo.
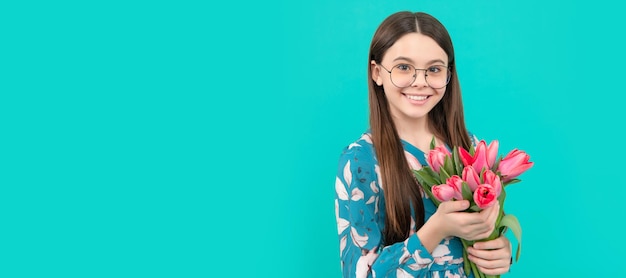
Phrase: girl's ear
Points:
(376, 73)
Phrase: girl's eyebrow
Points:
(411, 61)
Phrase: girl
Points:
(387, 226)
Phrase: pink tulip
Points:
(471, 177)
(514, 164)
(494, 180)
(484, 156)
(457, 183)
(436, 157)
(485, 196)
(443, 192)
(449, 190)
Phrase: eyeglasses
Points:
(403, 75)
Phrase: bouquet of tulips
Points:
(478, 176)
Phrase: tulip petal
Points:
(466, 157)
(492, 153)
(518, 170)
(471, 177)
(480, 157)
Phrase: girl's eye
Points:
(404, 67)
(435, 69)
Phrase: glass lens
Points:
(437, 76)
(403, 75)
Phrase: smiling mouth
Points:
(417, 98)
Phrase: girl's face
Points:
(411, 51)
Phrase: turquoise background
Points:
(198, 139)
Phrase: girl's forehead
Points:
(415, 48)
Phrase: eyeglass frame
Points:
(449, 75)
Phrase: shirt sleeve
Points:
(473, 138)
(358, 211)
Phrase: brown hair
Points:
(446, 120)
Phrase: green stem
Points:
(469, 264)
(477, 273)
(466, 265)
(495, 234)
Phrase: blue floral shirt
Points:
(360, 213)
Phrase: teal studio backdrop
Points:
(201, 138)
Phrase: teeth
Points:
(416, 97)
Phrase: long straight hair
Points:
(446, 120)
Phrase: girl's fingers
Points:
(491, 267)
(498, 243)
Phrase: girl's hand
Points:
(491, 257)
(467, 225)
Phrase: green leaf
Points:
(512, 223)
(481, 174)
(432, 174)
(466, 266)
(501, 212)
(443, 174)
(511, 182)
(456, 160)
(447, 164)
(475, 208)
(501, 199)
(467, 192)
(432, 143)
(469, 266)
(427, 182)
(425, 178)
(477, 274)
(472, 150)
(494, 168)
